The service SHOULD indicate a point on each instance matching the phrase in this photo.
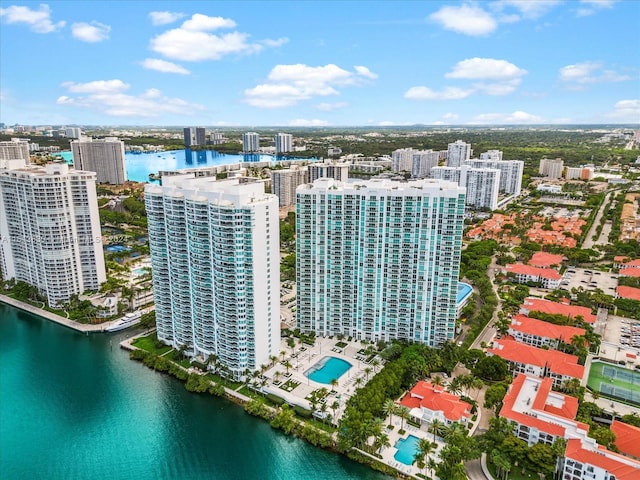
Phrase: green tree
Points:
(492, 368)
(494, 395)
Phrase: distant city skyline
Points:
(227, 64)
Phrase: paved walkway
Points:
(80, 327)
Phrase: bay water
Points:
(73, 406)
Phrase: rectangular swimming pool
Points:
(327, 369)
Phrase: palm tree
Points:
(436, 427)
(323, 409)
(273, 359)
(358, 381)
(335, 406)
(381, 442)
(389, 409)
(367, 371)
(277, 375)
(403, 413)
(375, 363)
(334, 383)
(477, 385)
(283, 353)
(437, 381)
(425, 447)
(432, 465)
(455, 385)
(287, 365)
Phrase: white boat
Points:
(129, 320)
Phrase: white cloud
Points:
(97, 86)
(278, 42)
(39, 21)
(528, 9)
(467, 19)
(425, 93)
(365, 72)
(107, 97)
(328, 107)
(302, 122)
(517, 117)
(580, 74)
(290, 84)
(450, 116)
(194, 42)
(626, 111)
(199, 23)
(592, 6)
(90, 32)
(485, 68)
(164, 66)
(164, 18)
(499, 88)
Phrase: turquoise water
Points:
(117, 248)
(140, 271)
(464, 289)
(407, 448)
(327, 369)
(140, 165)
(75, 407)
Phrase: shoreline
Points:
(65, 322)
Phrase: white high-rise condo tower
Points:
(283, 143)
(103, 156)
(284, 183)
(50, 230)
(379, 259)
(15, 149)
(215, 257)
(250, 142)
(457, 153)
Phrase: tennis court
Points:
(614, 381)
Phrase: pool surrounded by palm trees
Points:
(328, 369)
(407, 449)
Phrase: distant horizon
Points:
(340, 64)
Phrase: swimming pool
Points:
(140, 271)
(407, 448)
(327, 369)
(464, 289)
(117, 248)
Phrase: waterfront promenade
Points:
(80, 327)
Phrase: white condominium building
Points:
(510, 173)
(402, 159)
(482, 184)
(50, 229)
(422, 163)
(195, 136)
(103, 156)
(491, 155)
(379, 259)
(215, 257)
(284, 183)
(551, 167)
(283, 143)
(337, 171)
(14, 150)
(250, 142)
(457, 153)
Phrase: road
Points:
(489, 332)
(588, 241)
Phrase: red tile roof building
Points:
(427, 402)
(631, 293)
(548, 277)
(584, 461)
(629, 272)
(627, 438)
(540, 414)
(545, 260)
(540, 362)
(538, 333)
(532, 304)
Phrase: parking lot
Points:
(616, 331)
(589, 280)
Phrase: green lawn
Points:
(149, 343)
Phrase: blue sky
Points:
(305, 63)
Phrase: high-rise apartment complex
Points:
(482, 184)
(283, 143)
(422, 163)
(510, 173)
(457, 153)
(215, 257)
(335, 170)
(284, 183)
(103, 156)
(194, 136)
(379, 259)
(217, 138)
(491, 155)
(50, 229)
(551, 167)
(250, 142)
(14, 150)
(73, 132)
(402, 159)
